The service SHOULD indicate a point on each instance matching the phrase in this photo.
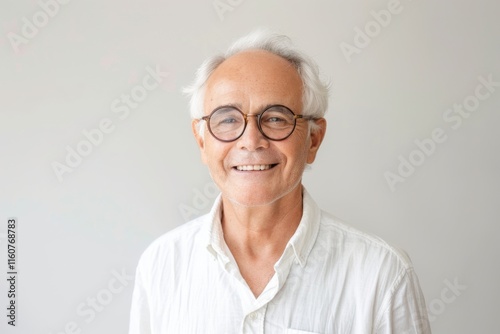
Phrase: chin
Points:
(257, 197)
(250, 202)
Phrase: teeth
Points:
(253, 167)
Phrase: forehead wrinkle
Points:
(224, 93)
(239, 106)
(254, 77)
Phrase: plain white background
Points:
(63, 68)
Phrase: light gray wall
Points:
(80, 231)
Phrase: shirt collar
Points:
(214, 237)
(301, 242)
(304, 237)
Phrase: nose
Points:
(252, 139)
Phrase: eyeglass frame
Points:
(258, 115)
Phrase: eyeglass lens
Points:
(228, 123)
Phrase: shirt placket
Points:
(254, 321)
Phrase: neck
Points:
(261, 232)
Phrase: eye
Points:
(225, 117)
(277, 117)
(227, 120)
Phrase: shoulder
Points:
(348, 241)
(175, 242)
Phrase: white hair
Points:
(315, 92)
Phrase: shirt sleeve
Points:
(140, 311)
(405, 311)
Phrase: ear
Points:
(195, 127)
(316, 137)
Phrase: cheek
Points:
(302, 152)
(213, 155)
(297, 156)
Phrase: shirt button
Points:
(253, 316)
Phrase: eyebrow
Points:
(240, 107)
(229, 105)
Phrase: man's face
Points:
(251, 81)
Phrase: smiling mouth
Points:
(254, 167)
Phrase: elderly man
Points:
(266, 259)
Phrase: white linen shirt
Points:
(331, 278)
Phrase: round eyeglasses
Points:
(228, 123)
